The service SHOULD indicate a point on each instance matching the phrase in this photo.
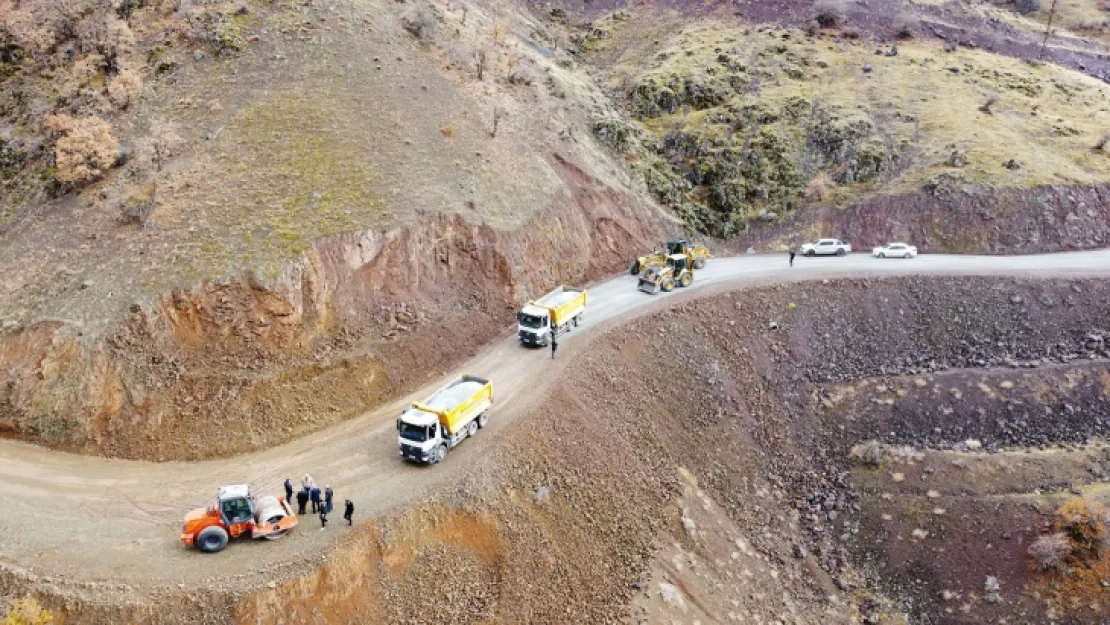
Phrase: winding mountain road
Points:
(79, 519)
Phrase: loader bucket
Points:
(648, 286)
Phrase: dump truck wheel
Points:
(441, 453)
(212, 539)
(483, 419)
(699, 263)
(668, 285)
(635, 268)
(472, 428)
(685, 280)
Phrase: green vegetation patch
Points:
(728, 126)
(288, 175)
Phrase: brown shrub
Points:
(124, 88)
(818, 189)
(828, 13)
(1084, 522)
(1050, 551)
(85, 147)
(421, 25)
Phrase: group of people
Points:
(321, 500)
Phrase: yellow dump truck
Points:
(428, 429)
(550, 316)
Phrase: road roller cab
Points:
(237, 513)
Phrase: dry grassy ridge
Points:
(737, 123)
(1073, 21)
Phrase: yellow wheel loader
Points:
(677, 271)
(697, 252)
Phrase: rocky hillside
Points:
(223, 224)
(736, 126)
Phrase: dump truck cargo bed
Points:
(458, 403)
(563, 303)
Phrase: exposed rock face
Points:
(1043, 219)
(224, 368)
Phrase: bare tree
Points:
(480, 63)
(1048, 27)
(498, 113)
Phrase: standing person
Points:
(323, 517)
(288, 490)
(792, 253)
(348, 512)
(307, 482)
(302, 501)
(314, 496)
(328, 494)
(554, 344)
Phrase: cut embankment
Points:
(225, 368)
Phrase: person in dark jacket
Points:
(288, 490)
(792, 253)
(302, 501)
(328, 494)
(348, 512)
(554, 344)
(314, 496)
(323, 517)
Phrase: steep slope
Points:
(842, 128)
(294, 207)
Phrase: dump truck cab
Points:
(236, 513)
(534, 324)
(420, 435)
(678, 271)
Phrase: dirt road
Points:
(78, 519)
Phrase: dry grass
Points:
(1046, 116)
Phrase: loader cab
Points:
(676, 246)
(678, 262)
(236, 504)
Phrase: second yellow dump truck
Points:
(551, 316)
(428, 429)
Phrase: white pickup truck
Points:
(826, 247)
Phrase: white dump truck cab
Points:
(419, 435)
(534, 325)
